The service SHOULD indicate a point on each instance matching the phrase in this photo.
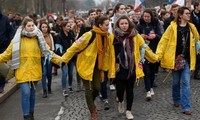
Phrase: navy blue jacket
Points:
(6, 33)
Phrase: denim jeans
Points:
(2, 81)
(183, 75)
(28, 97)
(104, 86)
(67, 70)
(46, 73)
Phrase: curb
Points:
(9, 89)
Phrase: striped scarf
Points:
(16, 45)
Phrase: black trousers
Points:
(149, 71)
(127, 85)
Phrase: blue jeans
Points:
(67, 70)
(28, 97)
(46, 73)
(104, 86)
(183, 75)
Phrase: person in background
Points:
(129, 8)
(11, 18)
(55, 31)
(173, 11)
(119, 10)
(127, 45)
(149, 28)
(25, 51)
(99, 12)
(93, 60)
(91, 18)
(195, 19)
(109, 13)
(17, 21)
(6, 35)
(179, 40)
(65, 39)
(46, 64)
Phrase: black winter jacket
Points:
(6, 32)
(147, 28)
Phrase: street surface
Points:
(56, 107)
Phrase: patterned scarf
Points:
(126, 56)
(102, 47)
(16, 45)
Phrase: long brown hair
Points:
(40, 27)
(131, 24)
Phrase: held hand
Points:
(151, 36)
(144, 36)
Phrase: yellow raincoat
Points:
(87, 58)
(166, 48)
(30, 68)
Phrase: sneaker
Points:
(1, 89)
(44, 95)
(152, 92)
(65, 94)
(112, 87)
(100, 96)
(106, 105)
(129, 115)
(49, 90)
(27, 117)
(121, 107)
(70, 89)
(148, 97)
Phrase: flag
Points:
(169, 1)
(180, 2)
(137, 3)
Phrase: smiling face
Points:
(67, 27)
(186, 15)
(29, 27)
(124, 24)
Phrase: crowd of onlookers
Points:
(133, 44)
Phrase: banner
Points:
(180, 2)
(137, 3)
